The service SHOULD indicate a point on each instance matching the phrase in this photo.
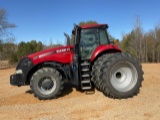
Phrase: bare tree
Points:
(145, 49)
(144, 46)
(5, 26)
(157, 42)
(138, 35)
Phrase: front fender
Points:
(104, 49)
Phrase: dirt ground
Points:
(19, 103)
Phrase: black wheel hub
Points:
(118, 75)
(47, 83)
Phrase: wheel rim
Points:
(47, 85)
(123, 76)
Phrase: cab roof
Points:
(94, 26)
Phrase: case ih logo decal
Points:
(63, 50)
(43, 55)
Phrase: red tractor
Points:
(94, 60)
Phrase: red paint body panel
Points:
(62, 54)
(102, 48)
(93, 26)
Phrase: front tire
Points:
(121, 76)
(46, 83)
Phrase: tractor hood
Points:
(61, 54)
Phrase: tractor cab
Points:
(91, 38)
(88, 38)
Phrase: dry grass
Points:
(4, 62)
(5, 65)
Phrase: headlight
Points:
(19, 71)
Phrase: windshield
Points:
(90, 39)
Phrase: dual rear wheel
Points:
(117, 75)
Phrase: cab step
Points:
(85, 75)
(85, 81)
(85, 64)
(86, 88)
(85, 69)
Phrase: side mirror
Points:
(68, 39)
(115, 41)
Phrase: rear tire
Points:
(96, 69)
(46, 83)
(121, 76)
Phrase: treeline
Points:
(143, 45)
(13, 52)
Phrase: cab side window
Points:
(103, 36)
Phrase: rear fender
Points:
(104, 49)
